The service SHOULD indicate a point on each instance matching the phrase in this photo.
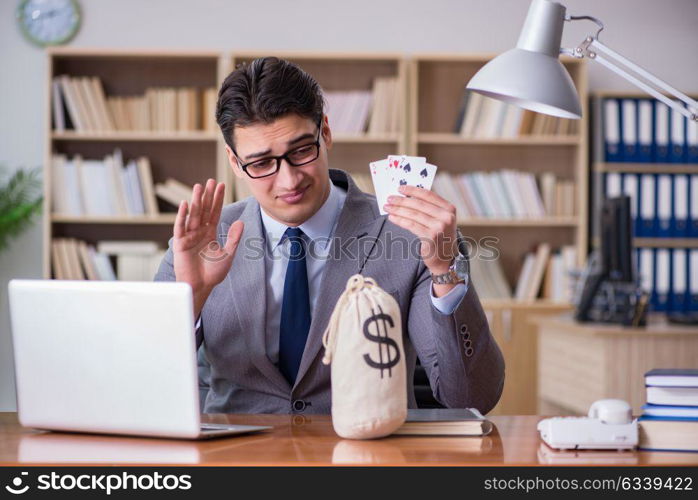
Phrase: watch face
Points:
(462, 267)
(49, 22)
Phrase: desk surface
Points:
(309, 440)
(657, 325)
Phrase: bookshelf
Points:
(189, 156)
(429, 88)
(437, 83)
(665, 251)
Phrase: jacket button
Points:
(463, 329)
(466, 335)
(469, 351)
(467, 343)
(298, 405)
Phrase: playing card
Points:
(401, 167)
(381, 182)
(388, 175)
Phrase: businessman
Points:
(266, 271)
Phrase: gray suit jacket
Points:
(463, 362)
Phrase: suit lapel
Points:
(247, 282)
(359, 220)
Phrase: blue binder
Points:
(645, 271)
(613, 150)
(631, 188)
(679, 280)
(648, 207)
(662, 273)
(680, 214)
(661, 132)
(629, 130)
(663, 228)
(691, 141)
(678, 137)
(693, 206)
(645, 130)
(692, 269)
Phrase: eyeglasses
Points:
(295, 157)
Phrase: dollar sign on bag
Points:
(382, 338)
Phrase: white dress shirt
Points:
(317, 231)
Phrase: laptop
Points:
(109, 357)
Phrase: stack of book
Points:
(444, 422)
(387, 106)
(348, 111)
(551, 272)
(487, 275)
(135, 260)
(73, 259)
(544, 273)
(485, 118)
(80, 103)
(670, 418)
(109, 187)
(506, 194)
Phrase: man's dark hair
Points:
(264, 90)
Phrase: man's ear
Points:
(233, 162)
(326, 132)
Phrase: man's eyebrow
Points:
(298, 139)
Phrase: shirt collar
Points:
(318, 228)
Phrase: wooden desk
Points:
(299, 440)
(579, 363)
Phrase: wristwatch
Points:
(459, 272)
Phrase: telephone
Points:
(610, 425)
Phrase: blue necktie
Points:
(295, 309)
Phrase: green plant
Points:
(19, 202)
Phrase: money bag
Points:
(363, 341)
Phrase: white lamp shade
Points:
(531, 80)
(531, 75)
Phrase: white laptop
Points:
(108, 357)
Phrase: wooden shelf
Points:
(455, 139)
(531, 222)
(71, 219)
(647, 168)
(524, 304)
(666, 242)
(135, 136)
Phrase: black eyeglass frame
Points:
(284, 156)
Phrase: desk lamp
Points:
(532, 77)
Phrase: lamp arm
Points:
(592, 48)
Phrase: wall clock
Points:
(49, 22)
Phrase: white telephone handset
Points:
(610, 425)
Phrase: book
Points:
(678, 396)
(668, 434)
(532, 272)
(488, 277)
(145, 176)
(670, 411)
(58, 114)
(445, 422)
(521, 292)
(672, 377)
(135, 247)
